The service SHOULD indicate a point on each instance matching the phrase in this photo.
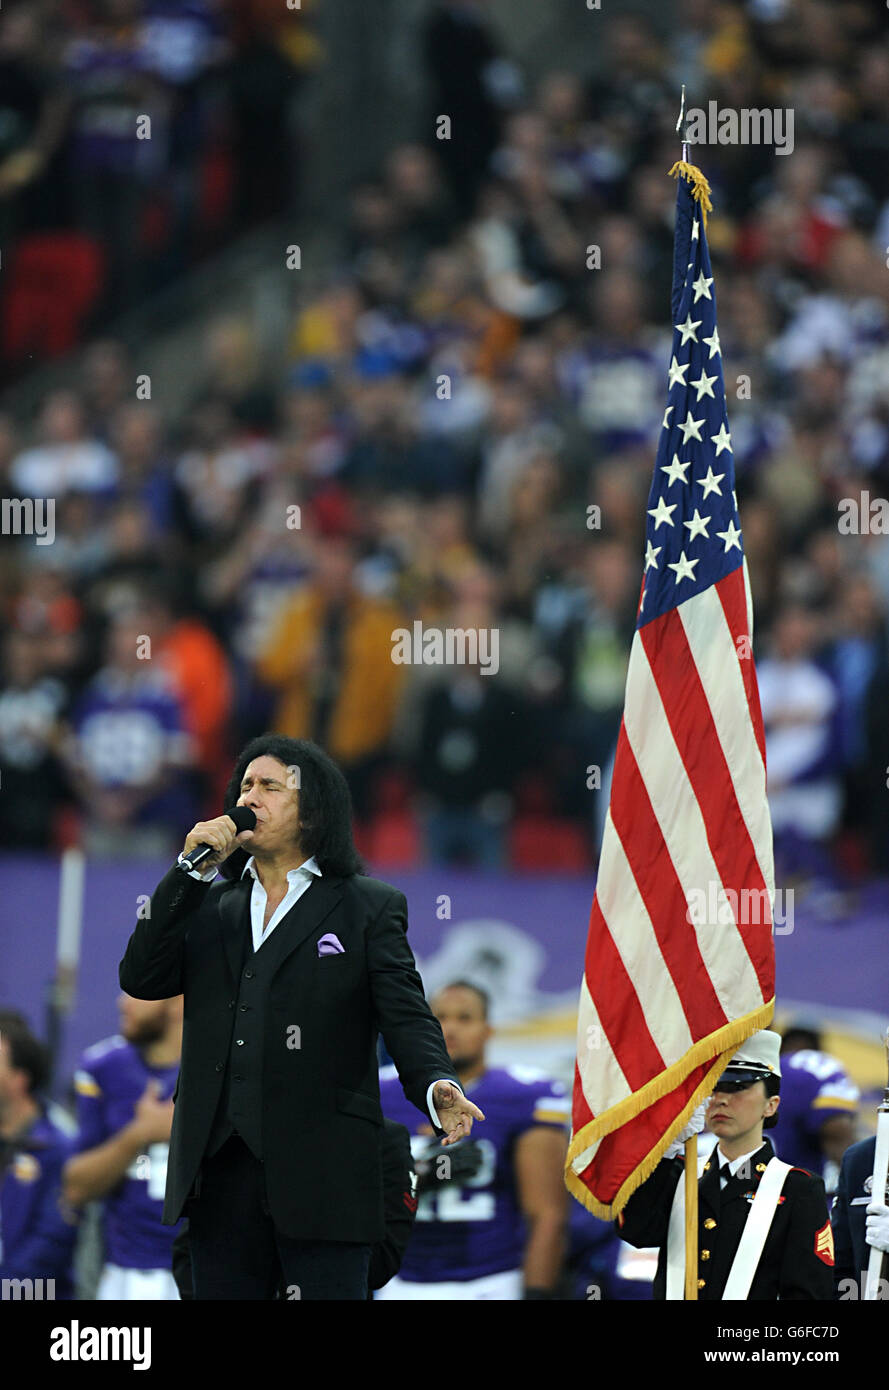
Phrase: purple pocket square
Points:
(330, 945)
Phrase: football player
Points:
(124, 1088)
(492, 1211)
(819, 1107)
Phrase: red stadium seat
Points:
(393, 789)
(394, 841)
(67, 828)
(55, 279)
(549, 844)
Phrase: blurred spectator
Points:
(33, 111)
(471, 83)
(423, 212)
(115, 156)
(46, 606)
(107, 381)
(274, 49)
(130, 562)
(853, 658)
(514, 438)
(467, 765)
(471, 735)
(68, 458)
(213, 475)
(145, 474)
(234, 374)
(389, 448)
(615, 377)
(31, 707)
(634, 87)
(330, 659)
(37, 1228)
(129, 749)
(198, 672)
(81, 545)
(590, 647)
(799, 709)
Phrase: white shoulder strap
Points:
(756, 1229)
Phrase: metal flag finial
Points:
(681, 111)
(679, 125)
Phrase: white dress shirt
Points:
(732, 1164)
(298, 881)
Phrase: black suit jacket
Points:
(797, 1258)
(320, 1101)
(849, 1214)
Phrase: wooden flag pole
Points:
(691, 1218)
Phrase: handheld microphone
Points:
(243, 818)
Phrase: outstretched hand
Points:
(455, 1112)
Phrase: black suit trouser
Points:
(236, 1252)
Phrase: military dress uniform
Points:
(849, 1213)
(797, 1260)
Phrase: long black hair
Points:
(325, 804)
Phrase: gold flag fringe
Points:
(721, 1046)
(700, 188)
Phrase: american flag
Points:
(679, 965)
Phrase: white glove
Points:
(876, 1228)
(694, 1126)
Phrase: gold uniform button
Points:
(709, 1224)
(760, 1167)
(702, 1283)
(706, 1167)
(705, 1254)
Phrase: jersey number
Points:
(454, 1203)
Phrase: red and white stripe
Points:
(688, 810)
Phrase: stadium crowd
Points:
(463, 435)
(136, 136)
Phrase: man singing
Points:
(290, 966)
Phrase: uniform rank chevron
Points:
(671, 988)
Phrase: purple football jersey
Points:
(814, 1087)
(130, 732)
(111, 86)
(109, 1081)
(37, 1233)
(477, 1228)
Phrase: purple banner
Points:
(521, 936)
